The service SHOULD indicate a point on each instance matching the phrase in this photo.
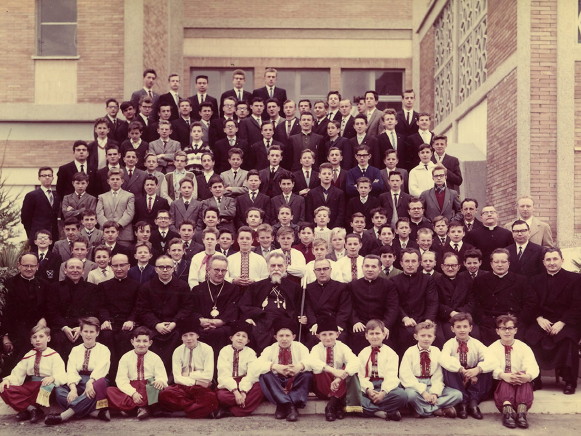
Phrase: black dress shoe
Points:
(23, 416)
(508, 420)
(293, 414)
(330, 414)
(281, 411)
(393, 416)
(521, 420)
(53, 419)
(474, 412)
(36, 415)
(222, 413)
(339, 411)
(569, 389)
(104, 415)
(461, 411)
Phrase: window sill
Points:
(53, 58)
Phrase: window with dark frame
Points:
(57, 27)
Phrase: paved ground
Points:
(263, 425)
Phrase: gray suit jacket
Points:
(179, 214)
(405, 175)
(79, 206)
(227, 210)
(238, 183)
(168, 190)
(121, 211)
(450, 209)
(135, 183)
(375, 124)
(136, 96)
(165, 165)
(540, 233)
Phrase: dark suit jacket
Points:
(296, 203)
(249, 130)
(134, 184)
(411, 157)
(279, 94)
(243, 203)
(404, 128)
(328, 300)
(68, 302)
(354, 205)
(136, 96)
(335, 201)
(203, 188)
(531, 261)
(345, 146)
(246, 96)
(384, 144)
(117, 131)
(370, 141)
(93, 159)
(349, 131)
(296, 144)
(149, 130)
(477, 224)
(37, 213)
(320, 127)
(404, 174)
(372, 173)
(454, 178)
(268, 186)
(341, 181)
(301, 182)
(65, 173)
(141, 212)
(454, 295)
(158, 243)
(167, 100)
(257, 155)
(141, 151)
(280, 131)
(196, 106)
(49, 267)
(221, 148)
(181, 131)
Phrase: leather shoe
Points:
(293, 414)
(222, 413)
(339, 411)
(104, 415)
(281, 411)
(462, 414)
(53, 419)
(521, 420)
(393, 416)
(23, 416)
(475, 412)
(142, 413)
(330, 414)
(508, 420)
(36, 415)
(449, 412)
(569, 389)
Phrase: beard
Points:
(277, 277)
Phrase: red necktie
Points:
(425, 363)
(373, 359)
(463, 353)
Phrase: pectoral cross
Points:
(278, 302)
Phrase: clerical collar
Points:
(554, 274)
(491, 228)
(30, 279)
(165, 282)
(500, 276)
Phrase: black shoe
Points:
(393, 416)
(508, 420)
(474, 412)
(281, 411)
(521, 420)
(569, 389)
(221, 413)
(53, 419)
(293, 414)
(340, 412)
(537, 384)
(36, 415)
(23, 416)
(104, 415)
(330, 413)
(461, 411)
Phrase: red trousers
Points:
(196, 401)
(322, 386)
(253, 399)
(515, 394)
(20, 397)
(121, 401)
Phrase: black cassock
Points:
(265, 302)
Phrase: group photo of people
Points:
(201, 255)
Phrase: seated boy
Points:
(75, 204)
(283, 371)
(193, 369)
(137, 369)
(421, 376)
(516, 368)
(41, 367)
(236, 393)
(382, 396)
(86, 384)
(467, 366)
(334, 365)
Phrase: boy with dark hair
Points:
(75, 204)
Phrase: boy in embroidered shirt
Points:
(85, 391)
(43, 366)
(382, 396)
(284, 375)
(516, 368)
(421, 376)
(136, 369)
(334, 366)
(237, 394)
(467, 366)
(193, 369)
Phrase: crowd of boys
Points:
(191, 231)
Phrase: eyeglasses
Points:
(520, 231)
(506, 329)
(164, 267)
(439, 175)
(219, 271)
(323, 269)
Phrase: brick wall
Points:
(34, 154)
(323, 9)
(543, 104)
(155, 41)
(17, 33)
(100, 47)
(502, 155)
(501, 33)
(427, 58)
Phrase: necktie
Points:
(253, 196)
(519, 252)
(104, 271)
(219, 200)
(443, 241)
(191, 358)
(50, 197)
(354, 268)
(393, 142)
(507, 363)
(235, 172)
(287, 199)
(79, 196)
(425, 363)
(203, 98)
(468, 226)
(307, 177)
(271, 93)
(373, 373)
(239, 95)
(140, 367)
(463, 353)
(162, 235)
(186, 245)
(386, 271)
(394, 216)
(335, 176)
(83, 168)
(186, 204)
(426, 165)
(288, 128)
(149, 204)
(232, 142)
(330, 360)
(149, 94)
(456, 248)
(409, 120)
(473, 275)
(267, 144)
(40, 257)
